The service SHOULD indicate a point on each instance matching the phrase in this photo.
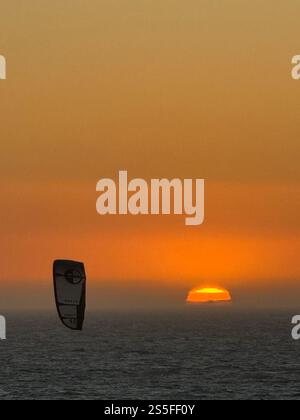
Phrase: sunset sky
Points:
(197, 89)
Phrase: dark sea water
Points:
(188, 354)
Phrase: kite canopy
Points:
(70, 292)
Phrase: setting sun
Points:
(208, 295)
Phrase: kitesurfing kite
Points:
(70, 292)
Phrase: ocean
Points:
(188, 354)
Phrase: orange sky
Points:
(161, 89)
